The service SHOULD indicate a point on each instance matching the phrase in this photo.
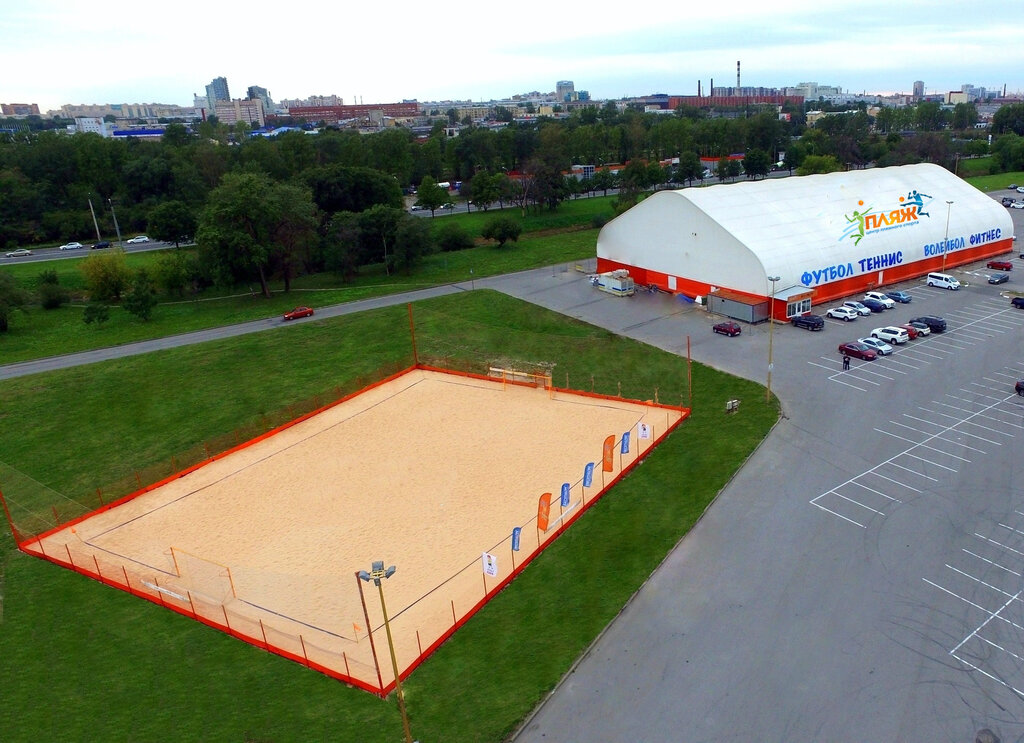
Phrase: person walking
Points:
(846, 362)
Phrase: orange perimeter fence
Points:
(209, 592)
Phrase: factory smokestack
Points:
(737, 77)
(698, 88)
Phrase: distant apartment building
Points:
(255, 91)
(217, 90)
(313, 100)
(249, 110)
(89, 125)
(19, 109)
(129, 111)
(564, 90)
(814, 92)
(918, 90)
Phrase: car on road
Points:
(1017, 302)
(922, 329)
(100, 245)
(1000, 265)
(858, 307)
(730, 329)
(912, 331)
(885, 299)
(810, 322)
(891, 334)
(1017, 205)
(298, 312)
(880, 347)
(137, 239)
(843, 313)
(935, 323)
(71, 246)
(874, 305)
(19, 253)
(858, 350)
(417, 208)
(999, 278)
(899, 296)
(448, 205)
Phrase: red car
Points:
(298, 312)
(911, 330)
(1000, 265)
(730, 329)
(858, 351)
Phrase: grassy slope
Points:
(83, 662)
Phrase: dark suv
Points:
(811, 322)
(935, 324)
(1018, 302)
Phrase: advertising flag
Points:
(490, 564)
(543, 511)
(565, 494)
(588, 475)
(625, 443)
(608, 460)
(645, 431)
(515, 538)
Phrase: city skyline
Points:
(868, 46)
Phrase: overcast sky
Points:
(54, 52)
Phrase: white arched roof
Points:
(805, 230)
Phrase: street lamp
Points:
(376, 573)
(945, 243)
(771, 336)
(118, 229)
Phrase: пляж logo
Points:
(863, 221)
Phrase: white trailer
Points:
(616, 282)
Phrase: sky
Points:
(55, 52)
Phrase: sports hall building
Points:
(820, 237)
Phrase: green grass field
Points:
(83, 662)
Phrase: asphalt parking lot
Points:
(860, 578)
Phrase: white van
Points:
(943, 280)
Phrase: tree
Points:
(1009, 119)
(451, 236)
(430, 195)
(106, 275)
(253, 225)
(338, 188)
(813, 164)
(756, 162)
(12, 298)
(413, 241)
(140, 298)
(175, 271)
(501, 229)
(173, 221)
(965, 116)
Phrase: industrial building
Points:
(777, 246)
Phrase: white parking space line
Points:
(993, 563)
(915, 472)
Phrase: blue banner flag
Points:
(565, 494)
(625, 443)
(515, 538)
(588, 475)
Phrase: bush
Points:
(49, 276)
(501, 229)
(52, 295)
(452, 236)
(598, 221)
(96, 312)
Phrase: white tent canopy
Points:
(808, 230)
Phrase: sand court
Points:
(426, 471)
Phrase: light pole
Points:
(377, 572)
(945, 242)
(118, 229)
(771, 336)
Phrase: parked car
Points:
(71, 246)
(1020, 189)
(1000, 265)
(1017, 205)
(935, 323)
(1007, 200)
(137, 239)
(999, 278)
(730, 329)
(843, 313)
(100, 245)
(880, 347)
(899, 296)
(858, 307)
(885, 299)
(922, 328)
(810, 322)
(1019, 387)
(1017, 302)
(858, 350)
(298, 312)
(874, 305)
(912, 331)
(19, 253)
(891, 334)
(1012, 187)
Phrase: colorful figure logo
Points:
(864, 221)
